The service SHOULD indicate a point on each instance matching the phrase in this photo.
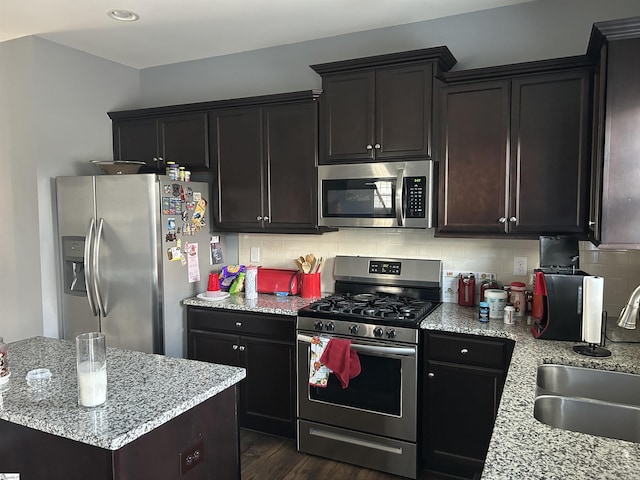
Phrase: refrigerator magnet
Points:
(197, 196)
(166, 205)
(174, 254)
(188, 192)
(171, 224)
(166, 189)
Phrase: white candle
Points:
(92, 383)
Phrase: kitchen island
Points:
(521, 447)
(161, 413)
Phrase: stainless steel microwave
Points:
(382, 194)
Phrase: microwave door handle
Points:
(399, 191)
(88, 268)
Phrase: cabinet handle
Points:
(369, 147)
(242, 347)
(502, 220)
(238, 324)
(235, 347)
(591, 223)
(431, 374)
(377, 146)
(464, 351)
(512, 219)
(266, 219)
(259, 217)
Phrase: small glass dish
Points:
(5, 378)
(39, 378)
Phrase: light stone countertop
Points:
(144, 391)
(521, 448)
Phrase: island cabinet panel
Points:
(158, 139)
(264, 167)
(264, 345)
(153, 456)
(615, 203)
(514, 155)
(463, 377)
(379, 108)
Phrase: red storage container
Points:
(272, 280)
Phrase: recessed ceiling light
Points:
(123, 15)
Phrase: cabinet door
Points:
(137, 139)
(214, 347)
(460, 406)
(473, 164)
(184, 140)
(403, 112)
(621, 148)
(290, 178)
(348, 117)
(549, 153)
(268, 393)
(237, 152)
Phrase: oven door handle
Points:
(379, 349)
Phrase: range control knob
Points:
(317, 325)
(378, 332)
(354, 328)
(391, 333)
(330, 326)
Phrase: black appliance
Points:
(557, 302)
(378, 305)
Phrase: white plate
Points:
(213, 296)
(5, 379)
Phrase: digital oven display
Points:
(388, 268)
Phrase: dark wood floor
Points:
(265, 457)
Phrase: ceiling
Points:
(171, 31)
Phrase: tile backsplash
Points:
(620, 268)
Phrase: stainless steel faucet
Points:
(629, 313)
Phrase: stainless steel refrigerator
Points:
(132, 247)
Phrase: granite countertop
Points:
(522, 447)
(144, 391)
(265, 303)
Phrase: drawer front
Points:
(467, 350)
(275, 327)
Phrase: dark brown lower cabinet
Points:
(264, 345)
(153, 456)
(463, 379)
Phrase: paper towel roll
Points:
(592, 301)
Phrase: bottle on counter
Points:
(484, 312)
(509, 315)
(517, 298)
(251, 282)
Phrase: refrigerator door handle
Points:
(88, 270)
(96, 269)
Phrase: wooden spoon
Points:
(306, 267)
(298, 263)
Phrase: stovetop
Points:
(371, 308)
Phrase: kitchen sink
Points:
(604, 419)
(603, 385)
(598, 402)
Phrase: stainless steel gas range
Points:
(378, 306)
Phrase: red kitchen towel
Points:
(343, 361)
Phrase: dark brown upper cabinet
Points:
(615, 176)
(514, 150)
(157, 138)
(379, 108)
(264, 165)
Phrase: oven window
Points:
(363, 198)
(376, 389)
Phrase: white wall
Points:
(54, 123)
(524, 32)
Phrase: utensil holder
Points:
(311, 283)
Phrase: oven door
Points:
(382, 400)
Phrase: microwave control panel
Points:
(415, 195)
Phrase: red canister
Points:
(466, 290)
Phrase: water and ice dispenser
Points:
(73, 265)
